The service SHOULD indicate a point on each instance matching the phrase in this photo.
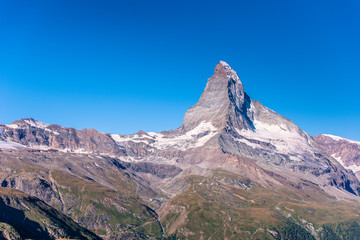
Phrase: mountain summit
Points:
(246, 127)
(223, 103)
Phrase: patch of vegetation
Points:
(349, 230)
(226, 205)
(328, 234)
(92, 202)
(294, 232)
(30, 218)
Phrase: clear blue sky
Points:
(121, 66)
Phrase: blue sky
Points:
(121, 66)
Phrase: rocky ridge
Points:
(345, 151)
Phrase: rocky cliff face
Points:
(29, 133)
(223, 103)
(346, 151)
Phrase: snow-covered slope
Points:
(194, 138)
(11, 145)
(28, 122)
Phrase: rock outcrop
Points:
(346, 151)
(29, 133)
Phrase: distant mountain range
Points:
(233, 170)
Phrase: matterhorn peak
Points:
(223, 67)
(223, 102)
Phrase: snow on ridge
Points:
(339, 160)
(35, 123)
(12, 125)
(337, 138)
(185, 141)
(17, 146)
(134, 137)
(30, 122)
(188, 140)
(225, 64)
(230, 72)
(353, 167)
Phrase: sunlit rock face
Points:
(346, 151)
(223, 103)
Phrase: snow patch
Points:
(253, 145)
(296, 158)
(354, 168)
(229, 71)
(11, 145)
(194, 138)
(134, 138)
(12, 125)
(338, 159)
(285, 139)
(35, 123)
(188, 140)
(79, 150)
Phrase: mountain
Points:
(29, 133)
(26, 217)
(346, 151)
(233, 170)
(100, 193)
(225, 121)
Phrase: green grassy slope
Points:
(229, 206)
(24, 216)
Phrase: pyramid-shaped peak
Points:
(222, 103)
